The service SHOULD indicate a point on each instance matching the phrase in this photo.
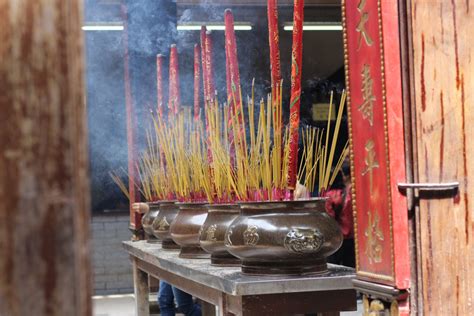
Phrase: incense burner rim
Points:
(160, 202)
(269, 205)
(223, 207)
(190, 204)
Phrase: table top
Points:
(230, 280)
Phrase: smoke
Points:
(151, 31)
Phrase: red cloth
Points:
(339, 207)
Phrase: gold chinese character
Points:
(373, 247)
(361, 25)
(370, 161)
(367, 107)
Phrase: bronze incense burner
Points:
(147, 221)
(213, 231)
(186, 227)
(283, 238)
(161, 225)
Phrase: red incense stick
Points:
(209, 66)
(233, 78)
(227, 76)
(159, 84)
(296, 62)
(197, 76)
(135, 218)
(206, 85)
(174, 98)
(274, 41)
(203, 64)
(231, 48)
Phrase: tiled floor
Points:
(124, 305)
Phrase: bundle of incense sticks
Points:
(260, 170)
(317, 163)
(184, 152)
(176, 163)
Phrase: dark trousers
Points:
(166, 296)
(345, 256)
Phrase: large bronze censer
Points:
(148, 219)
(283, 238)
(186, 227)
(213, 231)
(161, 225)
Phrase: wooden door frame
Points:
(409, 121)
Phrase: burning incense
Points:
(296, 63)
(274, 43)
(174, 93)
(197, 75)
(159, 84)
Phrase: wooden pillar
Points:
(442, 61)
(44, 191)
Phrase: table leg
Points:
(140, 283)
(223, 308)
(207, 309)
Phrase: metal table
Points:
(237, 294)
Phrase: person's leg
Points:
(166, 299)
(348, 258)
(185, 303)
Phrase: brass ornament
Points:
(304, 240)
(365, 305)
(376, 308)
(227, 240)
(163, 225)
(372, 308)
(394, 311)
(251, 236)
(210, 233)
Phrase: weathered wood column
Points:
(442, 79)
(44, 192)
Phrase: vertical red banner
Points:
(296, 63)
(376, 138)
